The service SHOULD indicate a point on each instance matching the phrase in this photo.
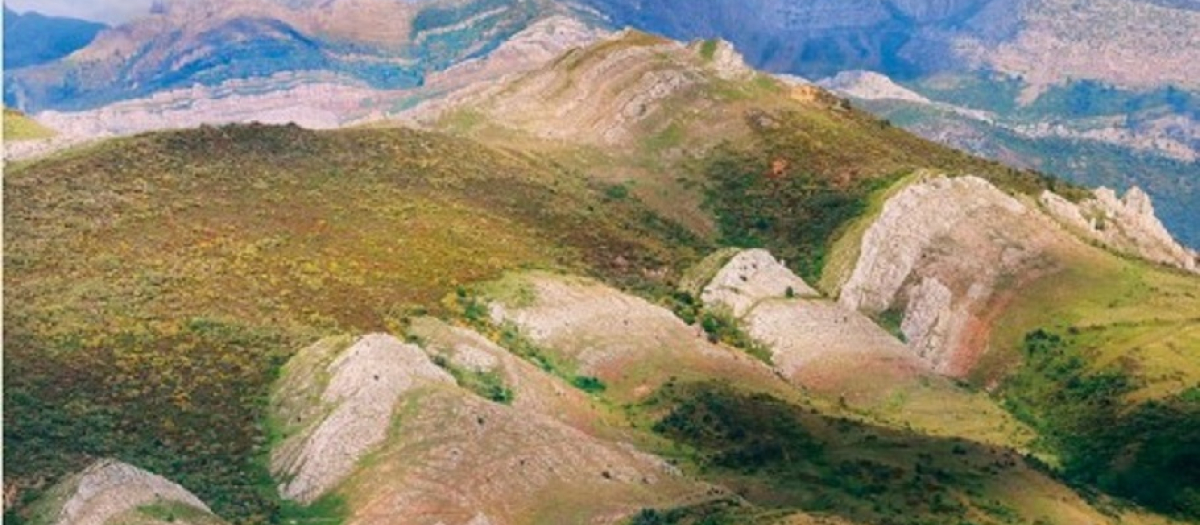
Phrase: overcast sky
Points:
(108, 11)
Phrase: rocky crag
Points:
(380, 424)
(110, 493)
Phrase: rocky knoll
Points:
(946, 255)
(624, 340)
(833, 351)
(380, 425)
(113, 493)
(606, 94)
(943, 252)
(1127, 225)
(749, 277)
(340, 405)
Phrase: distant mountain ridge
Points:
(32, 38)
(1103, 80)
(1133, 43)
(382, 44)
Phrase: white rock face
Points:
(869, 85)
(726, 61)
(907, 227)
(944, 252)
(110, 488)
(930, 318)
(752, 276)
(364, 384)
(815, 343)
(453, 457)
(1127, 225)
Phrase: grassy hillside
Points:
(18, 126)
(1109, 375)
(780, 450)
(728, 155)
(156, 283)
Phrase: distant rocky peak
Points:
(723, 57)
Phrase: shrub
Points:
(589, 384)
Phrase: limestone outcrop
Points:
(110, 492)
(624, 340)
(380, 421)
(815, 343)
(338, 403)
(752, 276)
(1128, 225)
(945, 252)
(723, 58)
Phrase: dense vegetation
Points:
(155, 284)
(779, 455)
(1149, 452)
(794, 215)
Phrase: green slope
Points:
(155, 284)
(18, 126)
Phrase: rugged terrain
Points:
(1102, 94)
(1089, 132)
(700, 295)
(1131, 43)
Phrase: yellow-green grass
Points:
(1127, 311)
(18, 126)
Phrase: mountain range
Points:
(1109, 98)
(499, 262)
(31, 38)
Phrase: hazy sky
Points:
(109, 11)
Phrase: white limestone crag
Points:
(908, 225)
(752, 276)
(341, 404)
(820, 344)
(930, 317)
(943, 251)
(108, 490)
(1128, 225)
